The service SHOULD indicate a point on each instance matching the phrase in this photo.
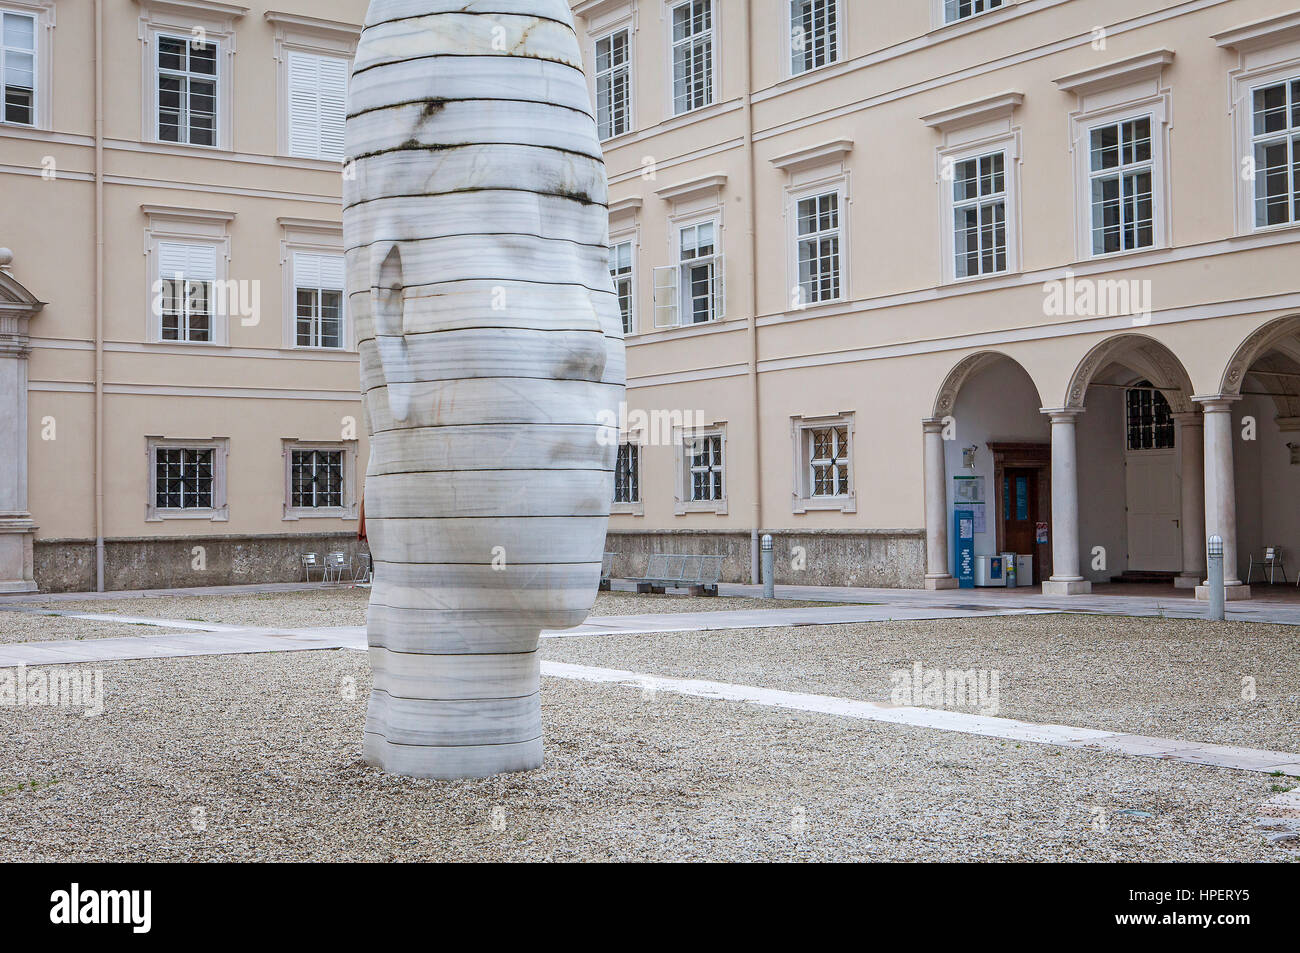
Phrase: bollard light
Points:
(767, 542)
(769, 567)
(1216, 546)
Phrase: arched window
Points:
(1150, 425)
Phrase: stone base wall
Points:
(170, 562)
(879, 558)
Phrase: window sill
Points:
(627, 509)
(978, 21)
(842, 504)
(221, 515)
(716, 507)
(330, 513)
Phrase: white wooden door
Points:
(1155, 538)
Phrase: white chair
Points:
(1270, 562)
(311, 561)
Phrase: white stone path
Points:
(222, 639)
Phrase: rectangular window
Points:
(979, 200)
(1275, 138)
(692, 55)
(184, 299)
(183, 478)
(704, 455)
(316, 479)
(954, 10)
(319, 286)
(819, 247)
(1120, 185)
(627, 474)
(620, 269)
(187, 90)
(18, 68)
(814, 34)
(614, 84)
(318, 92)
(699, 273)
(828, 461)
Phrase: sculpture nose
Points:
(390, 335)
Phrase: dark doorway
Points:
(1022, 477)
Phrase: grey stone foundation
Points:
(168, 562)
(889, 558)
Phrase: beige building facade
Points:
(178, 379)
(1034, 259)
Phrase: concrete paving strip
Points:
(1007, 729)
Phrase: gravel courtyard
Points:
(258, 758)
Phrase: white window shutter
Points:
(333, 106)
(192, 262)
(318, 92)
(667, 303)
(324, 272)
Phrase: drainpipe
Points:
(99, 296)
(750, 216)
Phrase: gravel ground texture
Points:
(334, 606)
(258, 758)
(1171, 678)
(31, 627)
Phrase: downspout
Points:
(99, 295)
(750, 218)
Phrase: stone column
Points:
(1221, 492)
(17, 531)
(938, 570)
(1066, 579)
(1191, 446)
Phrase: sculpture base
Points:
(450, 716)
(450, 763)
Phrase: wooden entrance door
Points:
(1020, 511)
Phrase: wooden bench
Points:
(699, 574)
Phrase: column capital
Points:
(1061, 414)
(933, 424)
(1218, 403)
(1190, 418)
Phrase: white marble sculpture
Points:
(491, 352)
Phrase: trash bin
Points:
(1009, 564)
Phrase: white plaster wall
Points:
(999, 404)
(1280, 491)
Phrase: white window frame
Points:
(711, 63)
(219, 512)
(1244, 84)
(1082, 124)
(312, 36)
(1120, 173)
(836, 187)
(42, 16)
(683, 502)
(802, 430)
(312, 237)
(626, 69)
(320, 288)
(989, 6)
(348, 469)
(191, 43)
(631, 507)
(671, 287)
(188, 227)
(616, 242)
(835, 38)
(1008, 147)
(185, 19)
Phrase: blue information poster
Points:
(963, 539)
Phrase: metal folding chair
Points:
(311, 561)
(336, 564)
(1270, 562)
